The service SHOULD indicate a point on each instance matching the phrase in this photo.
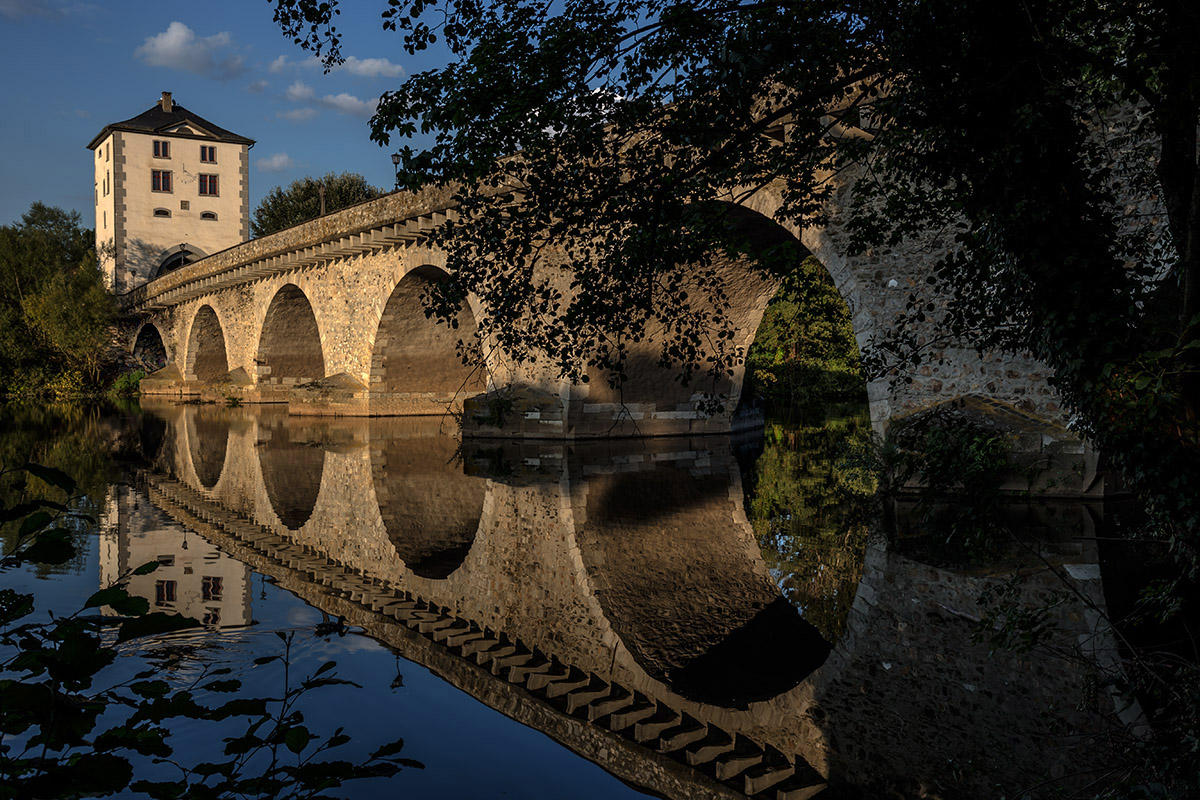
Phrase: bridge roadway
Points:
(325, 317)
(573, 576)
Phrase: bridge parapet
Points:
(397, 218)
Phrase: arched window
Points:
(175, 260)
(162, 212)
(209, 215)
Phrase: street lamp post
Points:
(396, 166)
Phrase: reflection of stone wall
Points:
(909, 702)
(590, 555)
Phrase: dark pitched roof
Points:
(155, 120)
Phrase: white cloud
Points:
(299, 92)
(349, 104)
(359, 67)
(279, 162)
(258, 86)
(371, 68)
(178, 47)
(298, 114)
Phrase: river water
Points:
(687, 618)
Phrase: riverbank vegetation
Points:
(56, 319)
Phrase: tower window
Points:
(208, 185)
(164, 593)
(162, 149)
(160, 180)
(210, 588)
(209, 215)
(208, 154)
(162, 212)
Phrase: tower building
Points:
(171, 188)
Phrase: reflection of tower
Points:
(193, 578)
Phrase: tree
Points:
(54, 313)
(1050, 148)
(301, 201)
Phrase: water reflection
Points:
(587, 589)
(194, 578)
(292, 464)
(428, 506)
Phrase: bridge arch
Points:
(149, 349)
(290, 349)
(206, 358)
(415, 362)
(652, 399)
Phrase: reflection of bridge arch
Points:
(291, 469)
(208, 443)
(430, 509)
(206, 359)
(678, 576)
(545, 579)
(289, 345)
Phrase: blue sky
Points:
(70, 68)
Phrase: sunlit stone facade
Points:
(170, 188)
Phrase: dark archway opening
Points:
(206, 359)
(803, 375)
(149, 352)
(416, 356)
(178, 257)
(289, 350)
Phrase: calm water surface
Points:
(675, 617)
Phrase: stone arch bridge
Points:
(326, 317)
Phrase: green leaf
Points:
(389, 749)
(297, 738)
(222, 686)
(52, 476)
(147, 568)
(14, 605)
(106, 596)
(35, 522)
(119, 600)
(160, 790)
(149, 688)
